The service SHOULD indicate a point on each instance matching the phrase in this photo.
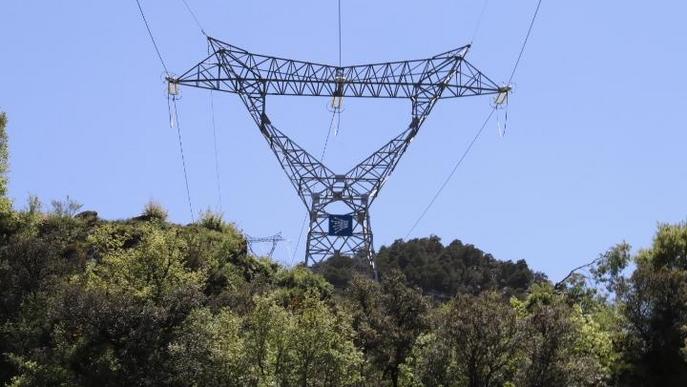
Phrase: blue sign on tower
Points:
(340, 225)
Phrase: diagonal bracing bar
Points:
(254, 77)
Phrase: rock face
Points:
(87, 215)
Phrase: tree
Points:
(319, 347)
(36, 257)
(443, 271)
(208, 350)
(476, 341)
(5, 203)
(565, 346)
(308, 343)
(387, 318)
(339, 270)
(654, 304)
(266, 342)
(8, 221)
(295, 284)
(145, 261)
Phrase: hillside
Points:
(141, 301)
(439, 271)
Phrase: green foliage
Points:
(38, 255)
(310, 345)
(7, 217)
(444, 271)
(388, 318)
(149, 303)
(208, 350)
(33, 373)
(654, 306)
(318, 350)
(565, 346)
(5, 203)
(212, 221)
(84, 301)
(144, 262)
(476, 341)
(540, 341)
(266, 342)
(610, 266)
(339, 270)
(669, 249)
(295, 283)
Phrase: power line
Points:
(298, 241)
(214, 125)
(329, 132)
(324, 151)
(195, 18)
(339, 33)
(326, 140)
(214, 141)
(481, 130)
(152, 38)
(338, 108)
(524, 43)
(181, 149)
(453, 171)
(479, 21)
(173, 114)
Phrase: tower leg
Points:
(336, 233)
(347, 235)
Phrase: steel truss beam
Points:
(253, 77)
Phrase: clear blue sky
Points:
(596, 149)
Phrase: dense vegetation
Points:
(85, 301)
(439, 271)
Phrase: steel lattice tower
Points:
(274, 239)
(254, 77)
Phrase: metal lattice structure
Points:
(254, 77)
(274, 239)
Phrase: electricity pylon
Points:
(254, 77)
(274, 239)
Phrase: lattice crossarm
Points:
(232, 69)
(467, 80)
(208, 74)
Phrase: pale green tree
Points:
(266, 342)
(319, 348)
(146, 261)
(208, 350)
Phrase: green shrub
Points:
(154, 211)
(212, 221)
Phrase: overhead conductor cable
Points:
(500, 99)
(172, 93)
